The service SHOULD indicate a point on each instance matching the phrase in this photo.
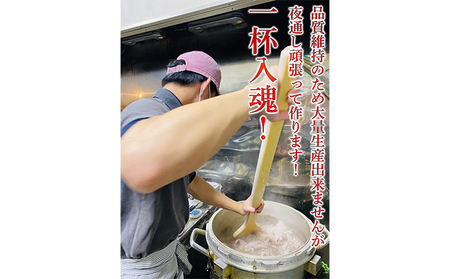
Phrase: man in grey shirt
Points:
(164, 140)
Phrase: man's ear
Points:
(205, 85)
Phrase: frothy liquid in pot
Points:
(274, 239)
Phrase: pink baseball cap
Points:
(200, 63)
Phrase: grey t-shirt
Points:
(149, 222)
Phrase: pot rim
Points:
(282, 262)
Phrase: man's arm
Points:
(203, 191)
(161, 149)
(164, 148)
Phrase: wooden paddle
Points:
(269, 145)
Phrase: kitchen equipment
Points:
(229, 262)
(269, 145)
(199, 214)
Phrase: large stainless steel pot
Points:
(229, 262)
